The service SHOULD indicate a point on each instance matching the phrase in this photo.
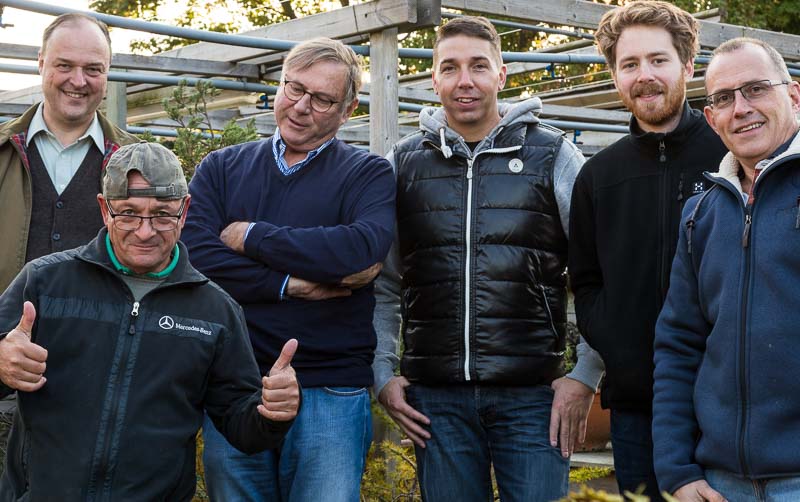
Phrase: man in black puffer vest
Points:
(477, 276)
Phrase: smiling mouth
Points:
(749, 127)
(466, 101)
(75, 95)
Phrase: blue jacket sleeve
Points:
(680, 340)
(329, 254)
(245, 279)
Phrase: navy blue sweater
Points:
(332, 218)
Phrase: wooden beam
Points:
(353, 20)
(383, 98)
(584, 14)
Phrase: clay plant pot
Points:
(598, 428)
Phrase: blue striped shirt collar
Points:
(279, 150)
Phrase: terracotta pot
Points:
(598, 428)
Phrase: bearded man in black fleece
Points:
(626, 205)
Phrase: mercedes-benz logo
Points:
(166, 322)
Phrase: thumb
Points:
(285, 359)
(28, 317)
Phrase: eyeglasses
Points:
(132, 222)
(751, 91)
(294, 92)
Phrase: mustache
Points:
(649, 88)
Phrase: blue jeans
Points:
(475, 426)
(322, 457)
(737, 489)
(632, 443)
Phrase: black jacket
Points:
(626, 205)
(483, 255)
(127, 382)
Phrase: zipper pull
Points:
(746, 236)
(134, 315)
(469, 168)
(661, 148)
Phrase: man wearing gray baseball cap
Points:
(120, 347)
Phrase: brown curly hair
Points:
(680, 24)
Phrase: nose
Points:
(76, 77)
(303, 105)
(741, 106)
(465, 79)
(145, 230)
(645, 73)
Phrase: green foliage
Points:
(188, 106)
(585, 474)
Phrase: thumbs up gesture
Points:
(22, 362)
(280, 393)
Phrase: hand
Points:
(22, 362)
(280, 393)
(361, 279)
(393, 399)
(233, 235)
(307, 290)
(698, 491)
(571, 404)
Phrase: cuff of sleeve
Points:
(283, 287)
(589, 370)
(383, 372)
(255, 234)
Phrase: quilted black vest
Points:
(483, 260)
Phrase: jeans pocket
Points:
(345, 391)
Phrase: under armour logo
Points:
(166, 322)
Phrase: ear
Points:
(708, 112)
(347, 112)
(503, 71)
(435, 82)
(688, 69)
(794, 94)
(186, 208)
(103, 209)
(41, 62)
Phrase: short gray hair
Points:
(72, 18)
(313, 51)
(736, 44)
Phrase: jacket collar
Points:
(433, 123)
(688, 122)
(95, 252)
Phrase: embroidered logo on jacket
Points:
(699, 187)
(166, 322)
(515, 165)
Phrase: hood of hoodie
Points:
(433, 121)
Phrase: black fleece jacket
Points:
(626, 206)
(127, 382)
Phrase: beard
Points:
(658, 112)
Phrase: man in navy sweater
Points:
(294, 228)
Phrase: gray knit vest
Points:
(65, 221)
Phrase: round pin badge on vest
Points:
(515, 165)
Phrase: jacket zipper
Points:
(664, 202)
(549, 313)
(748, 220)
(102, 469)
(468, 253)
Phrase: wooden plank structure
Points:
(380, 22)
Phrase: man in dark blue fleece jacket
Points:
(294, 228)
(726, 404)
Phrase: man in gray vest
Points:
(51, 158)
(477, 276)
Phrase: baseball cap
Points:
(157, 165)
